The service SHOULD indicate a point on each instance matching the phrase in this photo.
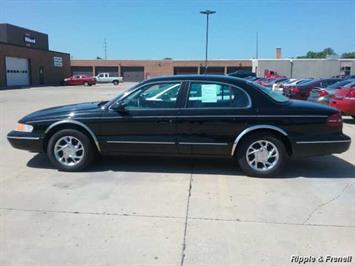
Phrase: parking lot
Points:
(166, 211)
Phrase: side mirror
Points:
(119, 107)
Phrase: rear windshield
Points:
(338, 84)
(274, 95)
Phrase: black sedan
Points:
(197, 115)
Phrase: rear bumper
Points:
(335, 144)
(26, 141)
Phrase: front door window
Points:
(154, 96)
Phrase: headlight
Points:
(24, 128)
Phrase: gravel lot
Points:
(166, 211)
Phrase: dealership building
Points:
(137, 70)
(25, 59)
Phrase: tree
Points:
(348, 55)
(323, 54)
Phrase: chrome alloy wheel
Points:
(68, 150)
(262, 155)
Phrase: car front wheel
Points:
(70, 150)
(261, 155)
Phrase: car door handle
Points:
(170, 121)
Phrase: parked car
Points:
(243, 74)
(296, 82)
(108, 78)
(278, 86)
(324, 95)
(196, 115)
(80, 80)
(270, 82)
(344, 99)
(302, 91)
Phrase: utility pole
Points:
(207, 13)
(257, 46)
(105, 47)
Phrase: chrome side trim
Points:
(198, 116)
(165, 142)
(70, 121)
(204, 143)
(323, 141)
(252, 128)
(139, 142)
(27, 138)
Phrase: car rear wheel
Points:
(115, 82)
(70, 150)
(86, 83)
(261, 155)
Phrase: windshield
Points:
(274, 95)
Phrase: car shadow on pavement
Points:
(316, 167)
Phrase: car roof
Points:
(203, 77)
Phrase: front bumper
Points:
(314, 147)
(26, 141)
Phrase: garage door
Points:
(84, 70)
(133, 73)
(17, 72)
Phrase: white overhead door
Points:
(17, 72)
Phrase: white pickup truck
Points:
(107, 78)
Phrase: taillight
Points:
(351, 94)
(295, 90)
(323, 93)
(335, 120)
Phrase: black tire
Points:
(115, 82)
(86, 83)
(353, 116)
(248, 141)
(88, 151)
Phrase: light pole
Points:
(207, 13)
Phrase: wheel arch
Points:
(282, 134)
(70, 124)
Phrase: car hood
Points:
(61, 112)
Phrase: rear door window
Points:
(213, 95)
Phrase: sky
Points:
(156, 29)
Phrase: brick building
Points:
(137, 70)
(25, 59)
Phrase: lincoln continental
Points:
(192, 115)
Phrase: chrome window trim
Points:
(252, 128)
(26, 138)
(70, 121)
(188, 81)
(323, 141)
(220, 83)
(143, 85)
